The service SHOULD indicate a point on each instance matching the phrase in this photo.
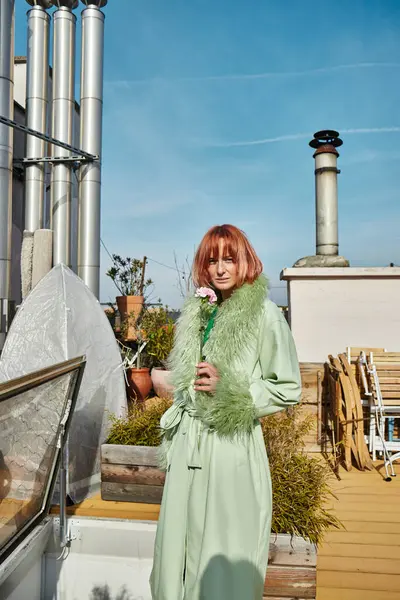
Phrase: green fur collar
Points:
(230, 412)
(235, 325)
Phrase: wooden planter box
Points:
(130, 474)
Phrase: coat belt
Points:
(173, 417)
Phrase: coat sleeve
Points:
(240, 400)
(280, 384)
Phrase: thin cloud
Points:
(272, 140)
(126, 83)
(300, 136)
(372, 130)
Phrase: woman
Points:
(233, 362)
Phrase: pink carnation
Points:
(204, 292)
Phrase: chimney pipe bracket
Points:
(325, 169)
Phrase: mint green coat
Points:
(214, 527)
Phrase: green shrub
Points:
(300, 483)
(159, 332)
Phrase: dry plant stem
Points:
(184, 277)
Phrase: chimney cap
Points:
(42, 3)
(327, 137)
(70, 4)
(98, 3)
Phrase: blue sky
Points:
(208, 111)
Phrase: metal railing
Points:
(35, 414)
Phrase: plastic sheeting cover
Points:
(61, 319)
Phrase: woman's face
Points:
(223, 272)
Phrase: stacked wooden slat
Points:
(353, 353)
(387, 366)
(312, 375)
(347, 390)
(347, 414)
(388, 369)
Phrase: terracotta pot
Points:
(130, 307)
(139, 382)
(161, 385)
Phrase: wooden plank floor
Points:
(107, 509)
(362, 562)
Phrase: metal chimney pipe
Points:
(37, 92)
(326, 195)
(326, 203)
(91, 141)
(6, 149)
(63, 109)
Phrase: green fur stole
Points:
(230, 411)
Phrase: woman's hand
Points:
(207, 378)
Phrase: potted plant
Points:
(129, 473)
(159, 328)
(128, 275)
(137, 376)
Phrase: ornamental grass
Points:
(141, 426)
(300, 483)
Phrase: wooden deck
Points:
(361, 562)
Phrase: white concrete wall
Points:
(107, 556)
(332, 308)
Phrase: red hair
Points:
(236, 245)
